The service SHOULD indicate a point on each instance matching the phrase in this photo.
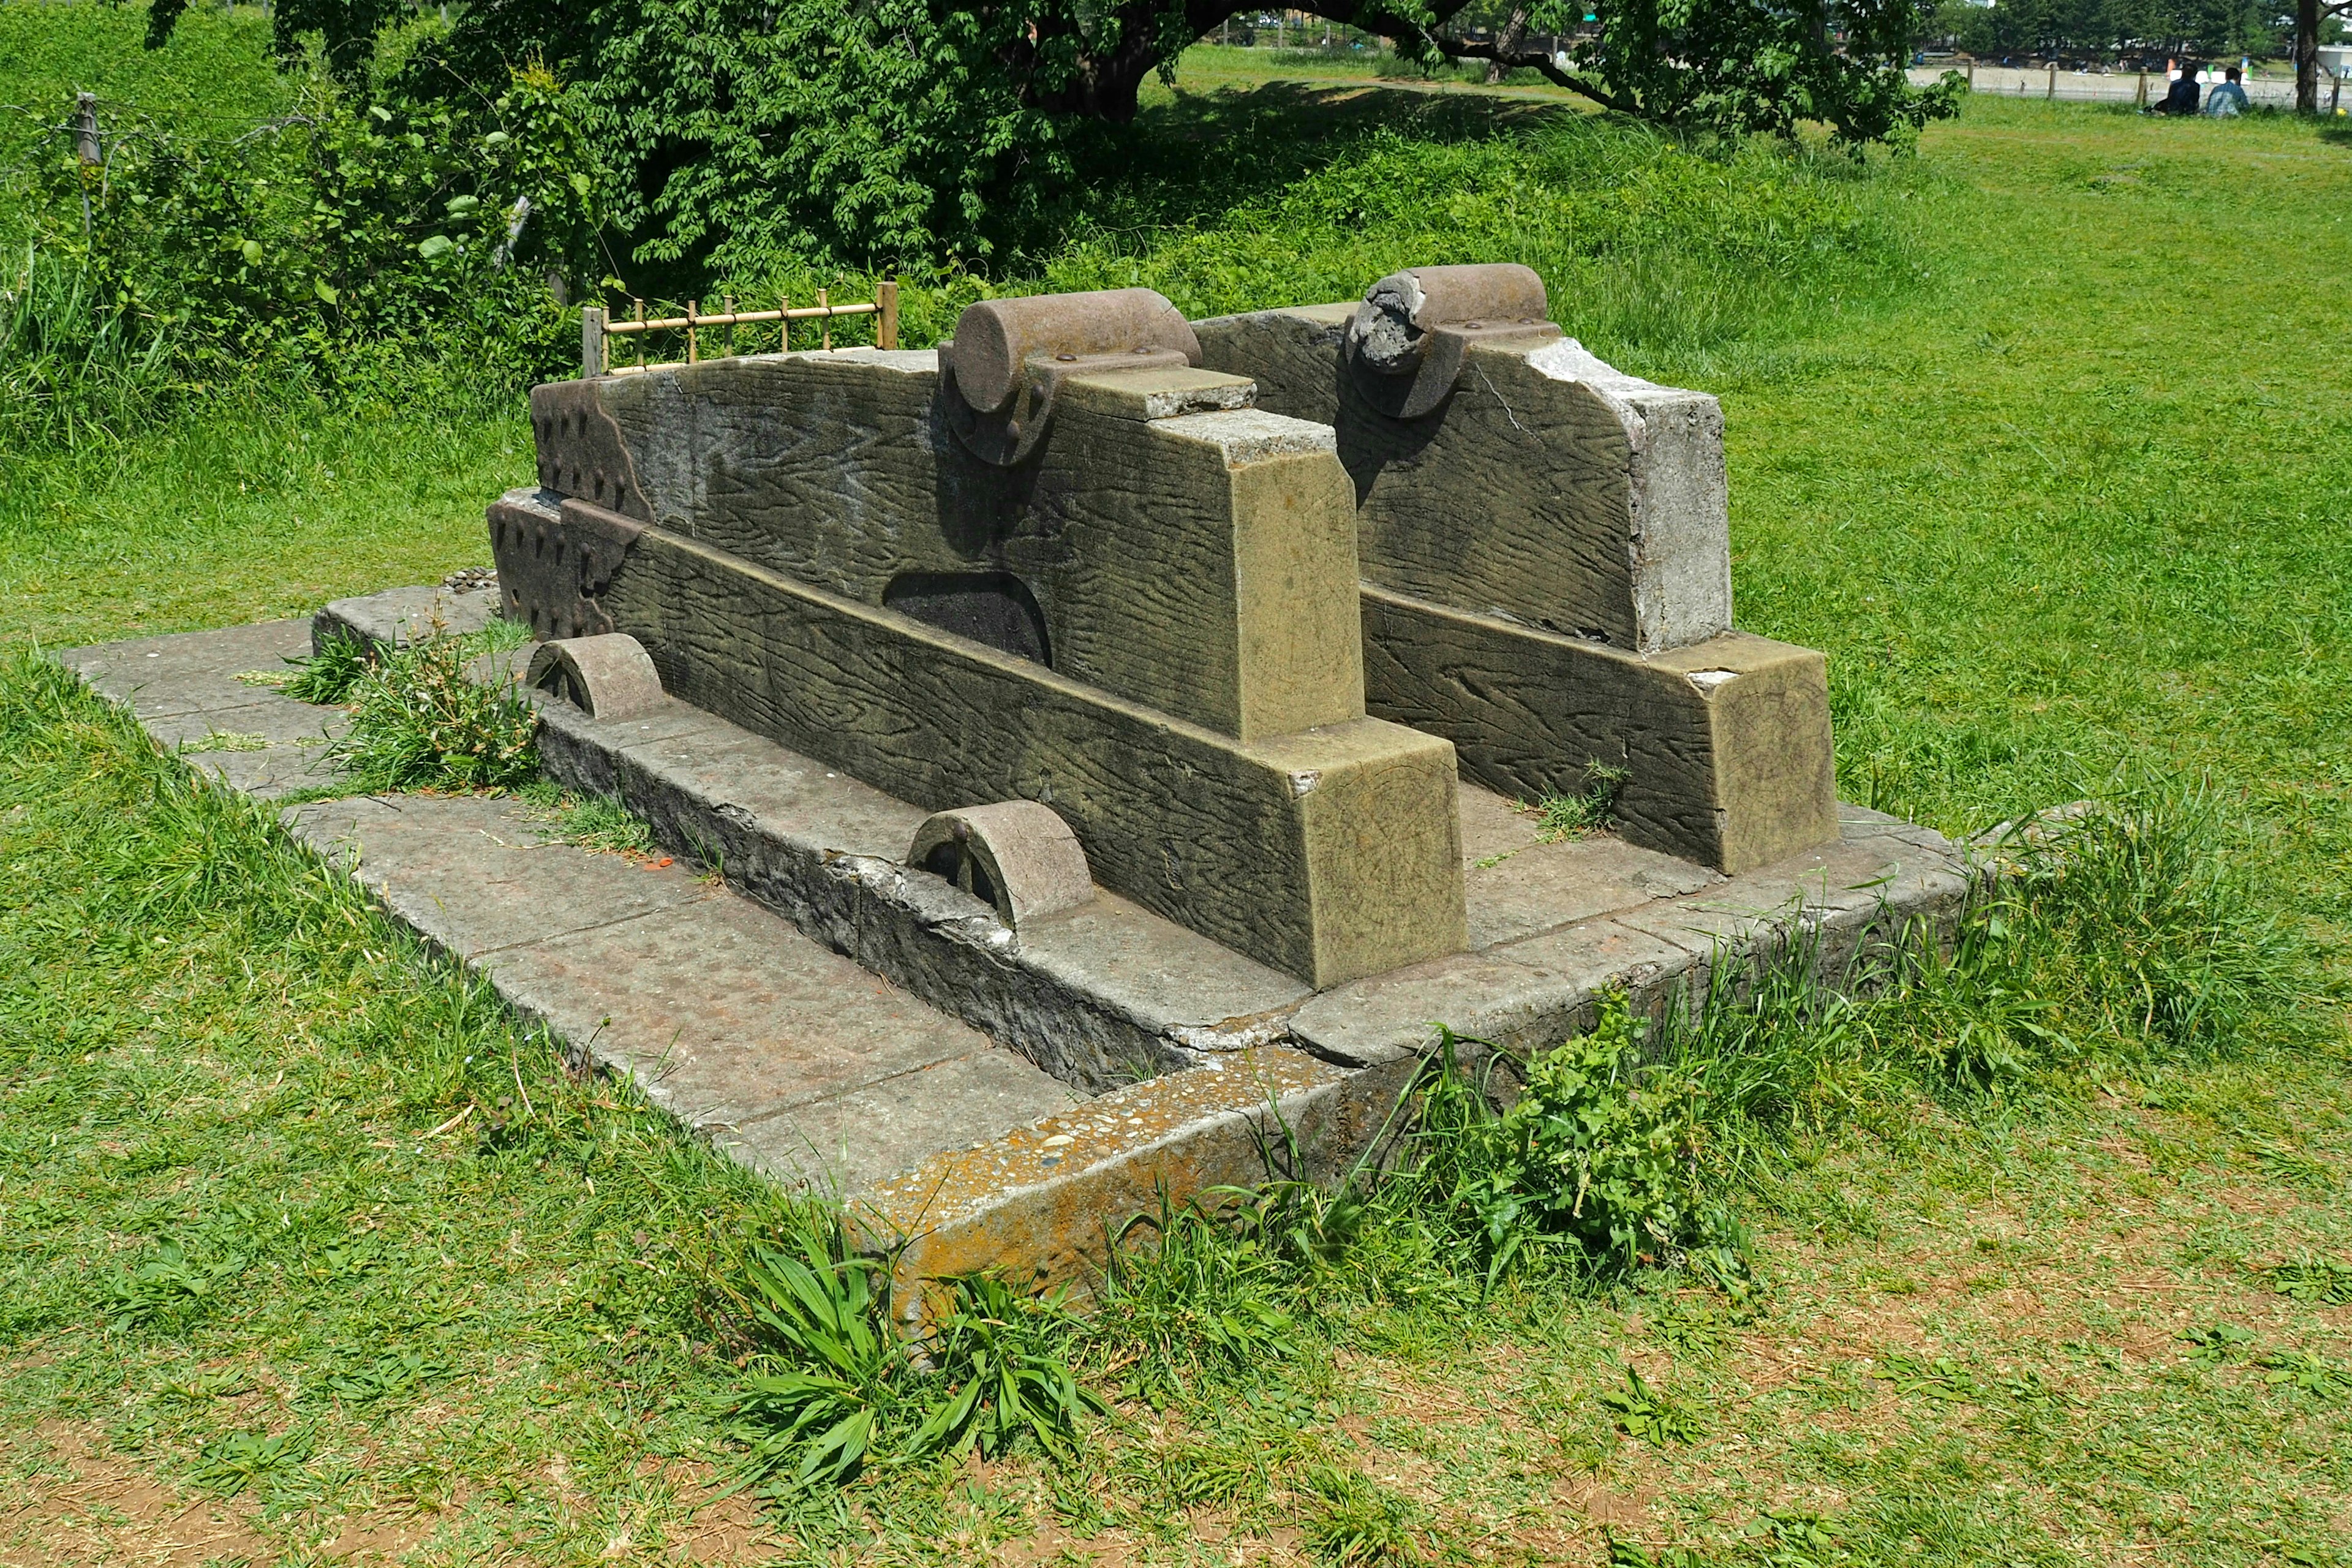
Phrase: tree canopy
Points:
(883, 129)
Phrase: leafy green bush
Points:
(351, 243)
(1599, 1151)
(418, 721)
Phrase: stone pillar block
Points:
(1547, 568)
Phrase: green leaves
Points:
(1006, 1358)
(837, 1390)
(170, 1282)
(237, 1462)
(2219, 1342)
(1642, 1412)
(2313, 1280)
(1598, 1150)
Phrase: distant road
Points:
(2090, 87)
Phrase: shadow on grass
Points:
(1196, 157)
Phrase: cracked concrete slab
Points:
(188, 672)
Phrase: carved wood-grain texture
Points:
(1732, 769)
(1330, 853)
(1133, 532)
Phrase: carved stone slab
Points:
(1547, 583)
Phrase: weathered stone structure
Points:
(1546, 552)
(1107, 584)
(1235, 598)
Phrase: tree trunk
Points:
(1513, 34)
(2306, 57)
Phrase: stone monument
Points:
(1546, 560)
(1233, 600)
(1053, 562)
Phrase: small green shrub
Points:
(1599, 1151)
(419, 722)
(328, 675)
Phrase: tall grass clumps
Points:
(1641, 1149)
(77, 363)
(419, 720)
(2143, 932)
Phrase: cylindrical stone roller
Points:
(1391, 327)
(995, 338)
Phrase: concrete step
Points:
(793, 1059)
(789, 988)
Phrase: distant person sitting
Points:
(2181, 97)
(2228, 98)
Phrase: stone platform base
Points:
(828, 1016)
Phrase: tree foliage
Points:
(2104, 30)
(877, 131)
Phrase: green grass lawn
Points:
(2039, 434)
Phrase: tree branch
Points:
(1512, 59)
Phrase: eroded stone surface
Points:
(399, 616)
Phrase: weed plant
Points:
(590, 821)
(838, 1389)
(1560, 816)
(419, 721)
(328, 676)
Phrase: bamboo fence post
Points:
(592, 341)
(783, 323)
(825, 320)
(885, 315)
(729, 302)
(692, 354)
(639, 306)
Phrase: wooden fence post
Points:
(886, 322)
(827, 320)
(692, 352)
(2143, 87)
(592, 341)
(2051, 96)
